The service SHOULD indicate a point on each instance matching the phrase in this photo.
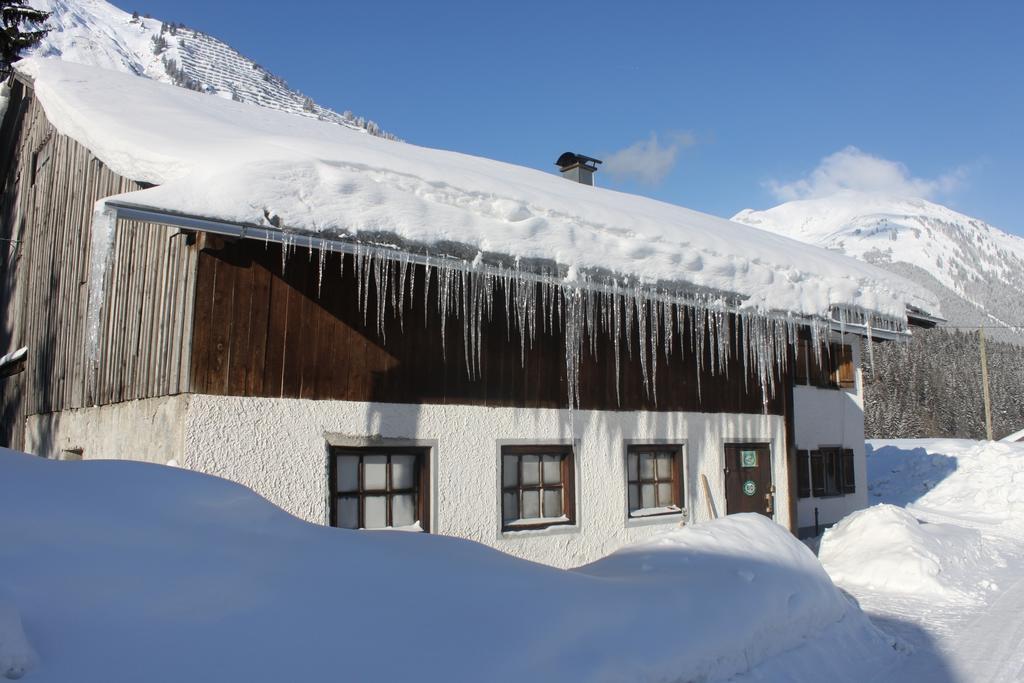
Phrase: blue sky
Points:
(718, 106)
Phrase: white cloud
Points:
(647, 161)
(852, 169)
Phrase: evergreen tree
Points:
(15, 14)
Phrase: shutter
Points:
(800, 373)
(817, 475)
(803, 475)
(849, 479)
(847, 374)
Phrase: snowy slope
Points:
(125, 571)
(97, 33)
(976, 269)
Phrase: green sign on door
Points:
(749, 487)
(748, 458)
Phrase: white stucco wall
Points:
(151, 430)
(830, 417)
(279, 447)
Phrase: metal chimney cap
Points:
(570, 159)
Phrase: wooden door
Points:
(748, 478)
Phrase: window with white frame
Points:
(654, 480)
(536, 487)
(380, 488)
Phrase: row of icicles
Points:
(630, 315)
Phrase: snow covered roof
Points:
(217, 159)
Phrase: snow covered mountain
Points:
(97, 33)
(975, 269)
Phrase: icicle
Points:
(104, 231)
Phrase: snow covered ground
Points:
(122, 571)
(940, 562)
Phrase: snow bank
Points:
(131, 571)
(885, 548)
(980, 482)
(220, 159)
(16, 655)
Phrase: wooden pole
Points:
(984, 384)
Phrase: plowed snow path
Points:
(958, 642)
(991, 648)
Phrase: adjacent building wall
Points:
(832, 417)
(279, 448)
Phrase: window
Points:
(830, 368)
(536, 487)
(832, 472)
(380, 488)
(654, 480)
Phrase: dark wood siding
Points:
(261, 332)
(50, 187)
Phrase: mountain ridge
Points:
(976, 269)
(97, 33)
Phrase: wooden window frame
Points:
(822, 459)
(421, 486)
(677, 480)
(568, 485)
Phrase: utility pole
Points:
(984, 384)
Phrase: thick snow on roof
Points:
(219, 159)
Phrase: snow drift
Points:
(885, 548)
(128, 571)
(952, 495)
(973, 481)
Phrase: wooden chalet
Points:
(276, 359)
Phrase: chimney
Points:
(578, 167)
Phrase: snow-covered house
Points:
(374, 334)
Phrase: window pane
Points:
(375, 512)
(647, 496)
(403, 509)
(634, 497)
(664, 466)
(647, 466)
(509, 506)
(375, 472)
(664, 495)
(631, 463)
(510, 470)
(531, 470)
(348, 473)
(531, 505)
(553, 502)
(403, 471)
(553, 470)
(348, 513)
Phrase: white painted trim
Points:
(679, 518)
(554, 529)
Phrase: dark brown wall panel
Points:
(263, 332)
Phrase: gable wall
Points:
(50, 187)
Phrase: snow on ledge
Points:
(247, 165)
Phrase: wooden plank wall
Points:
(259, 331)
(51, 189)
